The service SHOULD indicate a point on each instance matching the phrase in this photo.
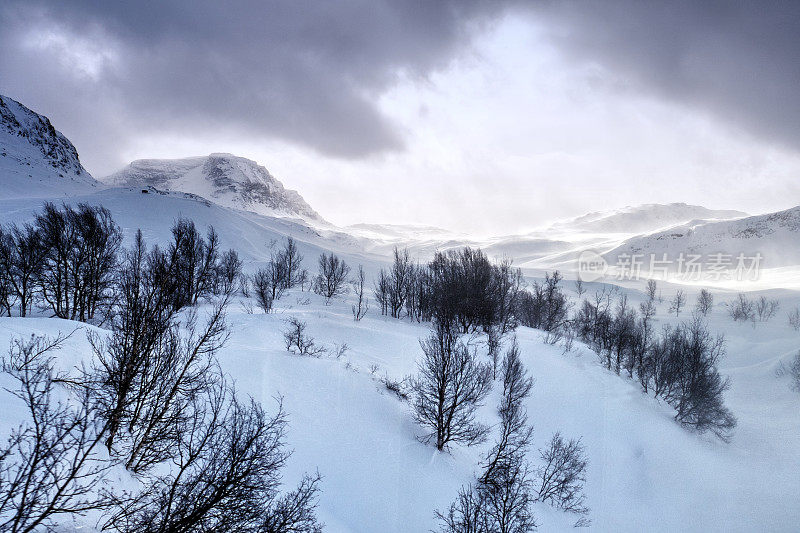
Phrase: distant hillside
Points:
(644, 218)
(225, 179)
(776, 236)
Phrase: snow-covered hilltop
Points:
(36, 160)
(773, 235)
(644, 218)
(225, 179)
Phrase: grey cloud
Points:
(739, 60)
(309, 73)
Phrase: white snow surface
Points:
(645, 473)
(226, 179)
(644, 218)
(775, 236)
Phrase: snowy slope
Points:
(225, 179)
(645, 472)
(253, 236)
(644, 218)
(774, 235)
(36, 160)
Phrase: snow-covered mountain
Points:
(36, 160)
(643, 218)
(225, 179)
(773, 235)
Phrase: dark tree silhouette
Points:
(50, 467)
(332, 277)
(449, 387)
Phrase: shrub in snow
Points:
(684, 366)
(50, 468)
(207, 461)
(679, 366)
(297, 341)
(741, 309)
(705, 301)
(447, 390)
(546, 307)
(362, 304)
(677, 303)
(459, 287)
(794, 318)
(264, 289)
(332, 276)
(501, 498)
(766, 308)
(562, 474)
(793, 371)
(225, 477)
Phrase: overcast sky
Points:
(485, 117)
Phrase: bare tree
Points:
(146, 394)
(515, 433)
(467, 514)
(50, 467)
(381, 292)
(766, 308)
(642, 342)
(500, 499)
(449, 387)
(225, 477)
(80, 246)
(493, 343)
(705, 301)
(296, 339)
(264, 288)
(399, 280)
(507, 291)
(677, 302)
(742, 309)
(229, 272)
(362, 305)
(331, 279)
(793, 371)
(562, 475)
(688, 378)
(546, 307)
(652, 286)
(794, 318)
(144, 315)
(291, 261)
(21, 261)
(579, 288)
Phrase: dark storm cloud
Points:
(738, 59)
(309, 73)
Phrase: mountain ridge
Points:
(644, 218)
(226, 179)
(36, 160)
